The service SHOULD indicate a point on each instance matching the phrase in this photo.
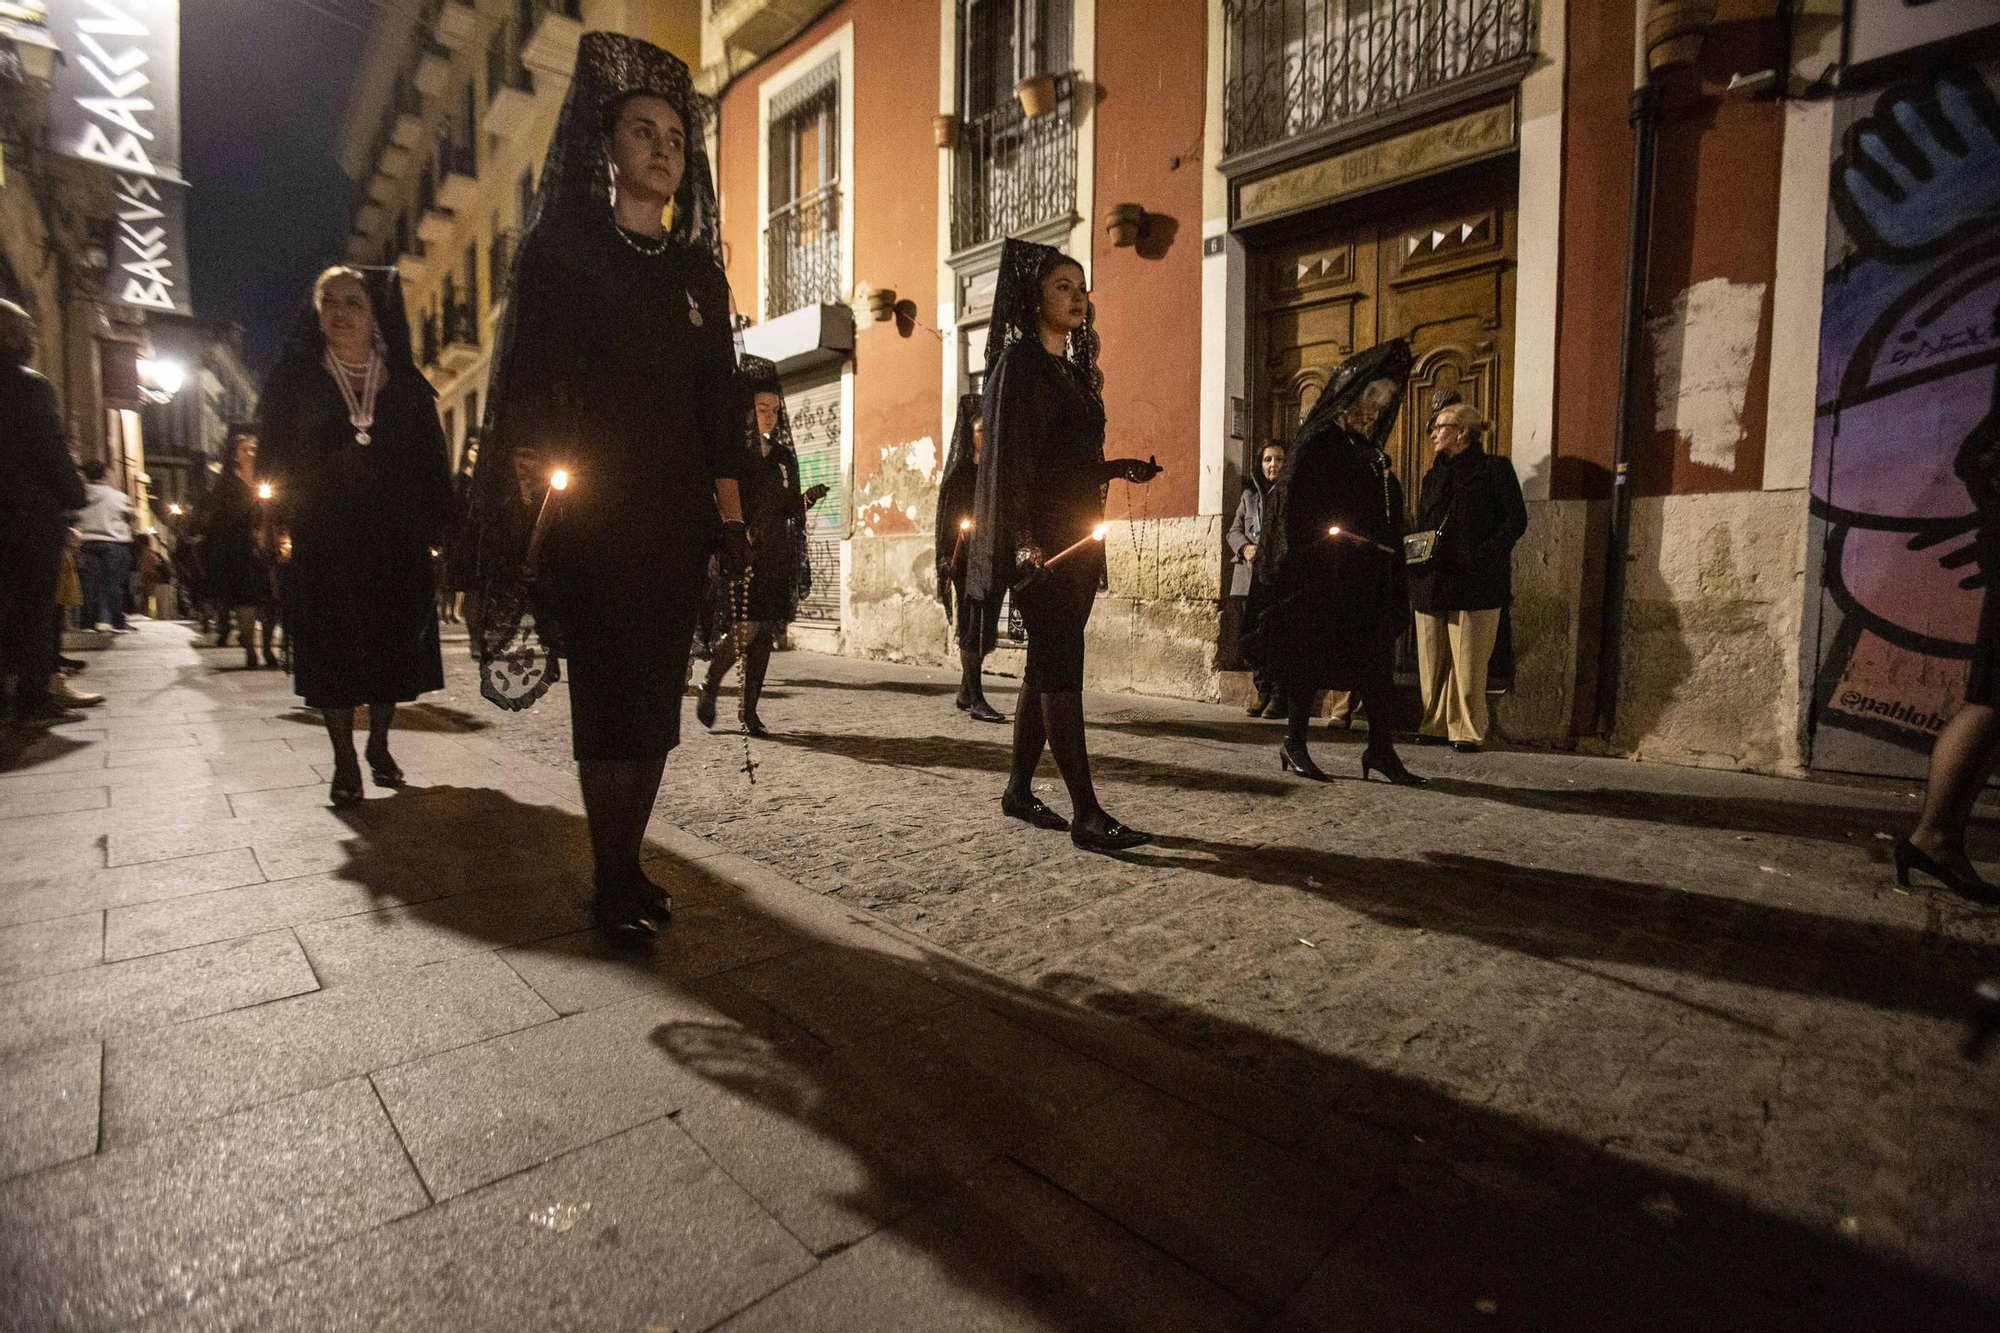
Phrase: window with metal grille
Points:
(802, 232)
(1004, 41)
(1012, 172)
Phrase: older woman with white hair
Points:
(1471, 513)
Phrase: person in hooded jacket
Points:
(1246, 532)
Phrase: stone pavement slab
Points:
(60, 944)
(92, 888)
(132, 1231)
(49, 1106)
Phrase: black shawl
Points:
(517, 656)
(956, 489)
(1041, 470)
(774, 506)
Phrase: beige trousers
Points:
(1453, 649)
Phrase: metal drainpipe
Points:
(1645, 121)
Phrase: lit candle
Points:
(558, 481)
(1357, 538)
(263, 490)
(1096, 535)
(964, 526)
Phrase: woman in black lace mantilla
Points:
(774, 510)
(1040, 491)
(1335, 595)
(355, 459)
(615, 367)
(978, 621)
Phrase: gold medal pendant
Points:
(694, 311)
(361, 437)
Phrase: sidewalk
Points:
(1557, 1044)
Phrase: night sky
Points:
(263, 83)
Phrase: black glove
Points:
(1139, 470)
(735, 550)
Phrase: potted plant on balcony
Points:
(944, 130)
(1037, 93)
(1125, 222)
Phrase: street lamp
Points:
(162, 377)
(37, 54)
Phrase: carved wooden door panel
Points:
(1437, 269)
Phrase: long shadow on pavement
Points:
(1554, 914)
(996, 756)
(1036, 1157)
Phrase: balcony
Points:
(1013, 172)
(434, 221)
(394, 161)
(453, 22)
(755, 28)
(499, 272)
(553, 28)
(432, 74)
(413, 263)
(1328, 70)
(381, 187)
(802, 253)
(458, 175)
(406, 117)
(510, 88)
(458, 337)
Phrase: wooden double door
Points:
(1433, 264)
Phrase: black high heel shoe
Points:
(1297, 759)
(1390, 765)
(384, 771)
(1031, 810)
(754, 725)
(344, 791)
(1908, 856)
(1111, 836)
(618, 914)
(654, 902)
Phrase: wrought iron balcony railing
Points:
(1298, 66)
(802, 253)
(500, 266)
(461, 322)
(1013, 171)
(504, 66)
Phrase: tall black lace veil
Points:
(1322, 430)
(1006, 483)
(955, 493)
(519, 658)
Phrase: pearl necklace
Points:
(360, 407)
(659, 247)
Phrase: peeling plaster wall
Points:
(1713, 612)
(1554, 624)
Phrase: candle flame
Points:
(1333, 531)
(965, 525)
(1097, 533)
(559, 479)
(263, 490)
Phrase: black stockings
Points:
(340, 730)
(618, 796)
(970, 690)
(756, 661)
(1378, 696)
(1961, 762)
(1057, 723)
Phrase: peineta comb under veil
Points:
(519, 655)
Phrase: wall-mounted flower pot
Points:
(1037, 93)
(1124, 223)
(882, 304)
(1675, 29)
(944, 129)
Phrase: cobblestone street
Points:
(1556, 1043)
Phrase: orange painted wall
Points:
(1715, 216)
(1151, 76)
(893, 179)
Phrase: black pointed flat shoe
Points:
(1032, 811)
(754, 725)
(344, 792)
(1111, 836)
(704, 710)
(981, 711)
(655, 903)
(620, 917)
(384, 771)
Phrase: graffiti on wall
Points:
(1909, 351)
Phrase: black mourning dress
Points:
(774, 511)
(978, 619)
(1333, 608)
(360, 606)
(234, 572)
(621, 370)
(1041, 484)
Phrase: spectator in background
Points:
(1246, 532)
(38, 488)
(105, 560)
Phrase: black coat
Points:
(1476, 497)
(360, 591)
(39, 485)
(234, 573)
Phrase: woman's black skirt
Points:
(1054, 610)
(978, 622)
(625, 654)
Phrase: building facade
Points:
(1258, 188)
(443, 134)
